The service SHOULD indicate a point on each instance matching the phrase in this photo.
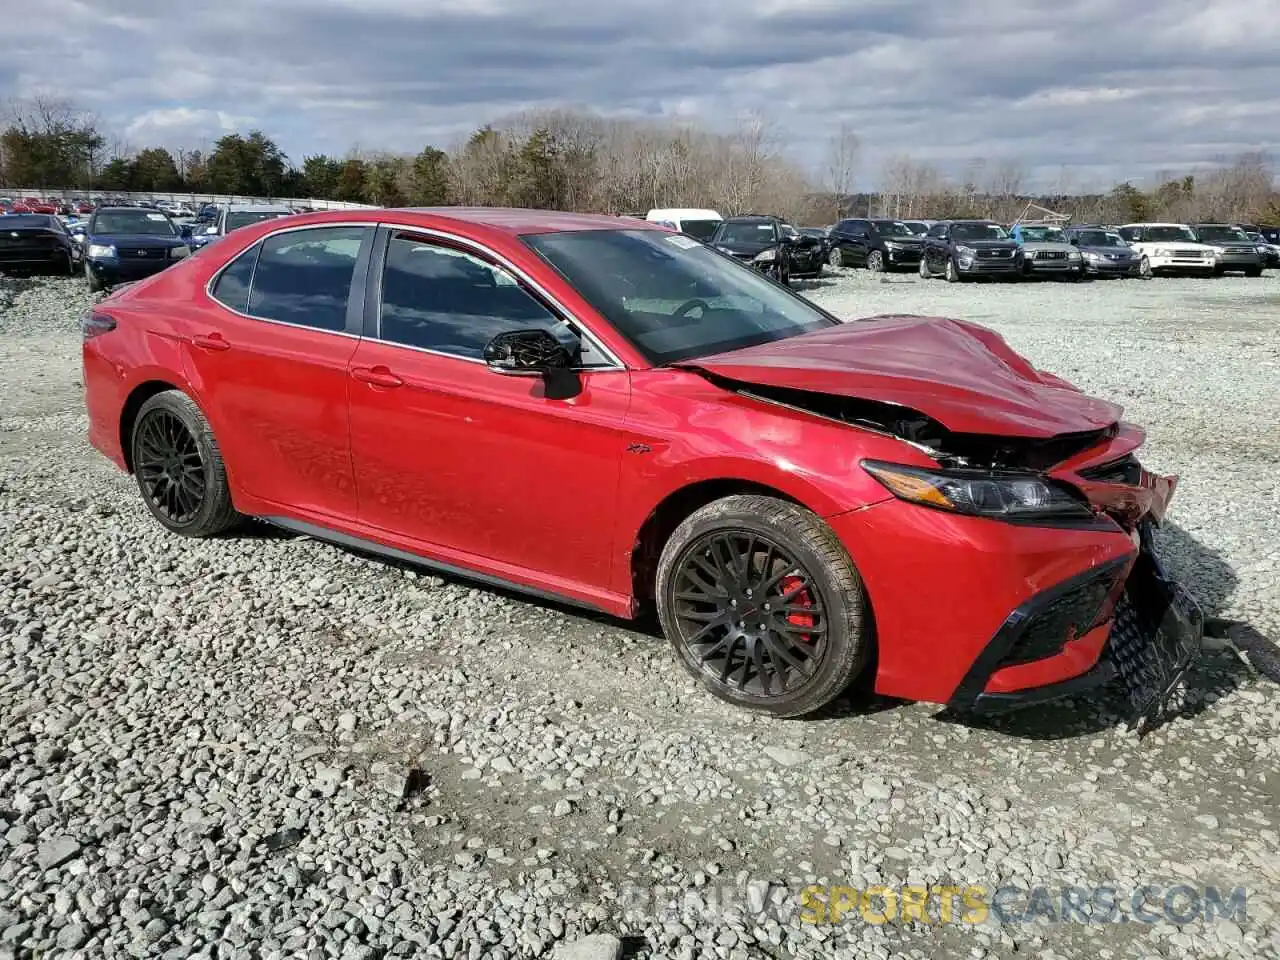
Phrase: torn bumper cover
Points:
(1153, 632)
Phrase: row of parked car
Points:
(963, 249)
(119, 242)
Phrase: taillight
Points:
(95, 324)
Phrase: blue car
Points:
(122, 244)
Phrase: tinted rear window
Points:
(304, 277)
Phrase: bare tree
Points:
(841, 166)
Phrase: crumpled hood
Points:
(962, 375)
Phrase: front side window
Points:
(450, 301)
(133, 223)
(304, 277)
(672, 297)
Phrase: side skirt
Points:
(392, 553)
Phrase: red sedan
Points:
(620, 416)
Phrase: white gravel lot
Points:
(263, 746)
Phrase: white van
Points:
(699, 224)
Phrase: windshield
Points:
(673, 298)
(1100, 238)
(242, 218)
(892, 228)
(1220, 234)
(978, 231)
(702, 229)
(20, 221)
(1168, 233)
(746, 232)
(138, 222)
(1043, 234)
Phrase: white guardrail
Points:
(191, 199)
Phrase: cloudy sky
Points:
(1109, 89)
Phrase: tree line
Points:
(574, 160)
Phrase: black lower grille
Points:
(1126, 470)
(1070, 615)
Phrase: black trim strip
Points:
(970, 690)
(392, 553)
(993, 703)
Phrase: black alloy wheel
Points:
(170, 469)
(179, 468)
(763, 605)
(749, 613)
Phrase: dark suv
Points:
(960, 249)
(771, 245)
(1232, 245)
(878, 245)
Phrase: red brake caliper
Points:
(801, 599)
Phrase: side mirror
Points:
(211, 231)
(530, 352)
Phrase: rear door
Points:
(268, 357)
(474, 467)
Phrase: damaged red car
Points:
(620, 416)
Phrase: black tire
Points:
(1219, 271)
(925, 272)
(836, 257)
(837, 646)
(1253, 272)
(875, 261)
(95, 285)
(952, 273)
(202, 509)
(1144, 268)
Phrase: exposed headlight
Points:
(1219, 250)
(1073, 254)
(1028, 254)
(101, 250)
(177, 253)
(766, 256)
(966, 251)
(980, 493)
(1089, 255)
(1161, 252)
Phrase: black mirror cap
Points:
(531, 351)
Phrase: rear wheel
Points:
(875, 261)
(763, 605)
(179, 468)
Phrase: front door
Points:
(477, 468)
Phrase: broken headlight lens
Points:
(981, 493)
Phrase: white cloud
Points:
(1117, 91)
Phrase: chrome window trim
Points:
(615, 363)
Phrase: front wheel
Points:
(952, 273)
(875, 261)
(95, 285)
(836, 257)
(179, 468)
(925, 272)
(1144, 268)
(763, 605)
(1253, 272)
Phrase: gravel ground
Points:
(269, 747)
